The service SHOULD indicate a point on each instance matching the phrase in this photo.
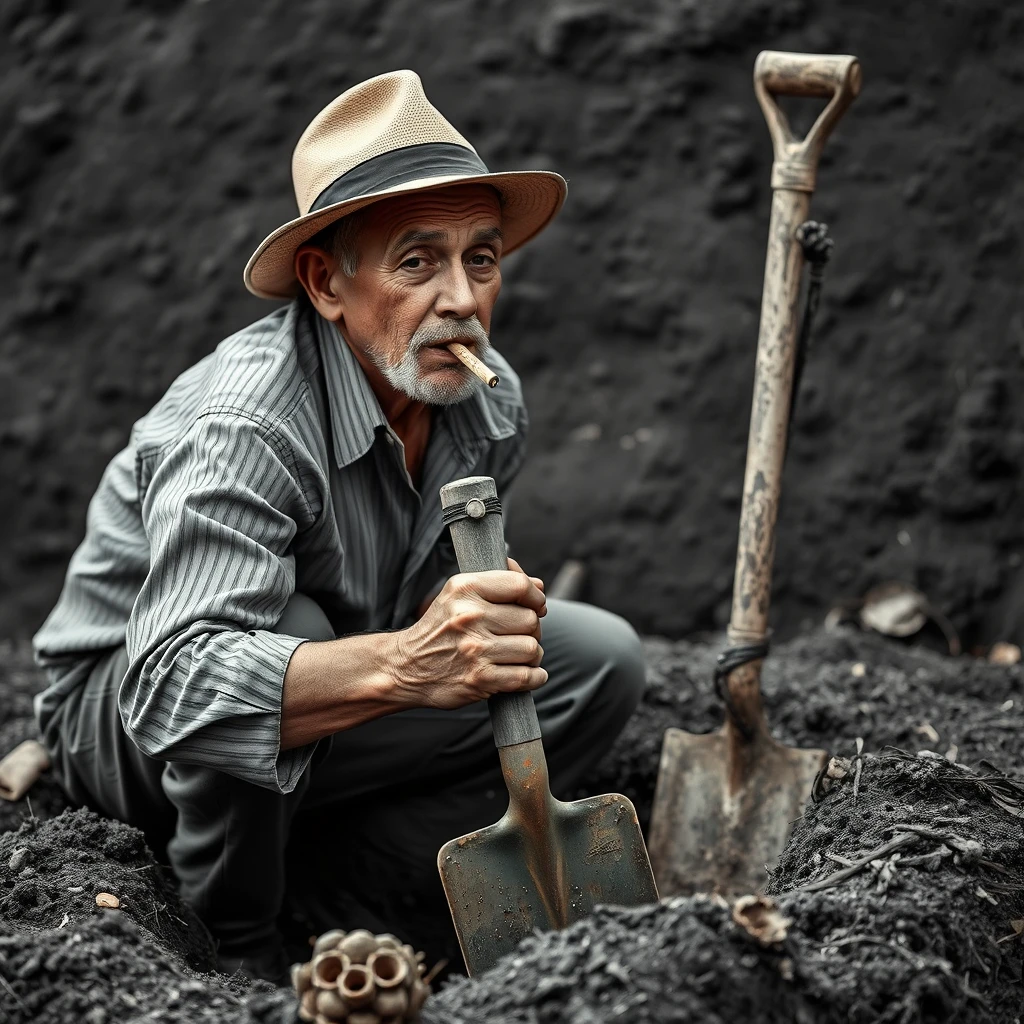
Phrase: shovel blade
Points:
(722, 813)
(512, 877)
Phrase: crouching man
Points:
(264, 613)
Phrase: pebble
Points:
(19, 859)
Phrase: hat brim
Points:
(530, 200)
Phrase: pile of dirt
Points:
(51, 873)
(64, 958)
(107, 969)
(850, 947)
(146, 150)
(930, 933)
(825, 690)
(909, 876)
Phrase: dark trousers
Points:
(226, 839)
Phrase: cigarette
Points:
(480, 368)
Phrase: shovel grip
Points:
(836, 77)
(480, 547)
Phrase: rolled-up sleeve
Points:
(220, 507)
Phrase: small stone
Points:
(107, 900)
(19, 859)
(1003, 653)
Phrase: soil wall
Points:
(144, 152)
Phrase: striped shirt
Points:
(266, 468)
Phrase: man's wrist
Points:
(391, 667)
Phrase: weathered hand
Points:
(480, 636)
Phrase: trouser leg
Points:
(224, 838)
(228, 849)
(98, 765)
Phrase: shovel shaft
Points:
(769, 419)
(480, 547)
(793, 179)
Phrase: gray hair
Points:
(339, 239)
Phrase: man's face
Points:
(427, 273)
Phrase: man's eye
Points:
(413, 263)
(481, 259)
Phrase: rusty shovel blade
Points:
(723, 809)
(545, 864)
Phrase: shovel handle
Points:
(793, 179)
(836, 77)
(480, 547)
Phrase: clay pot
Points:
(391, 1002)
(307, 1005)
(417, 997)
(389, 968)
(358, 945)
(329, 940)
(356, 986)
(328, 967)
(389, 941)
(331, 1005)
(302, 977)
(363, 1017)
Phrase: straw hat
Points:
(384, 138)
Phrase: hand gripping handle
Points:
(803, 74)
(479, 539)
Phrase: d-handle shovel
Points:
(724, 802)
(546, 863)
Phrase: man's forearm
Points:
(334, 685)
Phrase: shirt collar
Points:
(356, 414)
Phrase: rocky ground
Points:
(927, 930)
(144, 153)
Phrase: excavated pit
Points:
(932, 935)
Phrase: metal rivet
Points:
(475, 508)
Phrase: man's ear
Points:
(315, 268)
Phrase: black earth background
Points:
(145, 151)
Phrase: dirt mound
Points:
(107, 969)
(925, 928)
(146, 152)
(851, 948)
(909, 878)
(824, 690)
(51, 873)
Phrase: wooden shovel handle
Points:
(803, 74)
(480, 547)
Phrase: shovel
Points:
(724, 802)
(546, 863)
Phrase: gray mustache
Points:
(450, 330)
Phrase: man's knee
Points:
(624, 652)
(606, 646)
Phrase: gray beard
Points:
(405, 376)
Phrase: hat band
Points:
(398, 166)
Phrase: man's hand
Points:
(480, 636)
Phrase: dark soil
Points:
(930, 935)
(145, 150)
(51, 873)
(106, 969)
(923, 947)
(824, 690)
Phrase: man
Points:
(265, 615)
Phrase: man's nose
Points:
(456, 299)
